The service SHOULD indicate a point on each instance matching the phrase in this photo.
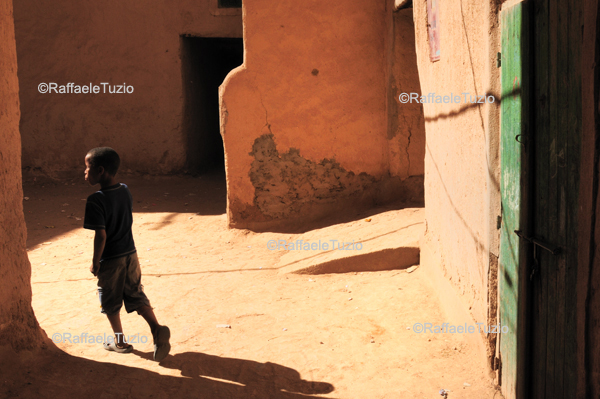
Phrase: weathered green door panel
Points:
(513, 187)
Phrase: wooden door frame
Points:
(589, 217)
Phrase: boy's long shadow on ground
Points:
(52, 373)
(249, 379)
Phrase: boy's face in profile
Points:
(91, 174)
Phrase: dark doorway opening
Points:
(230, 3)
(205, 63)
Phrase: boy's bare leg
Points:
(160, 334)
(148, 314)
(115, 323)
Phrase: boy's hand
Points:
(95, 268)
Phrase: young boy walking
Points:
(109, 213)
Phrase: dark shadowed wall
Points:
(18, 326)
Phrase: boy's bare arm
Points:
(99, 242)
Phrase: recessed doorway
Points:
(205, 64)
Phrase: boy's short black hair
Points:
(105, 157)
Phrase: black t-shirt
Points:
(111, 209)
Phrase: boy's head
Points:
(101, 163)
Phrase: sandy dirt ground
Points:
(347, 335)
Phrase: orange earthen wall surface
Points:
(456, 160)
(18, 326)
(125, 41)
(305, 120)
(406, 133)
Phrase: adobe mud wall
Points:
(126, 41)
(406, 132)
(18, 327)
(307, 121)
(461, 161)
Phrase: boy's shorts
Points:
(119, 280)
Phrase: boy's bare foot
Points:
(113, 347)
(162, 347)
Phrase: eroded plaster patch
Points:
(285, 182)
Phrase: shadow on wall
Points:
(464, 108)
(56, 374)
(495, 182)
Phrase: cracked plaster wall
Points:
(306, 120)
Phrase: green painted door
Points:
(514, 163)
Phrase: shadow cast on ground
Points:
(259, 379)
(52, 373)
